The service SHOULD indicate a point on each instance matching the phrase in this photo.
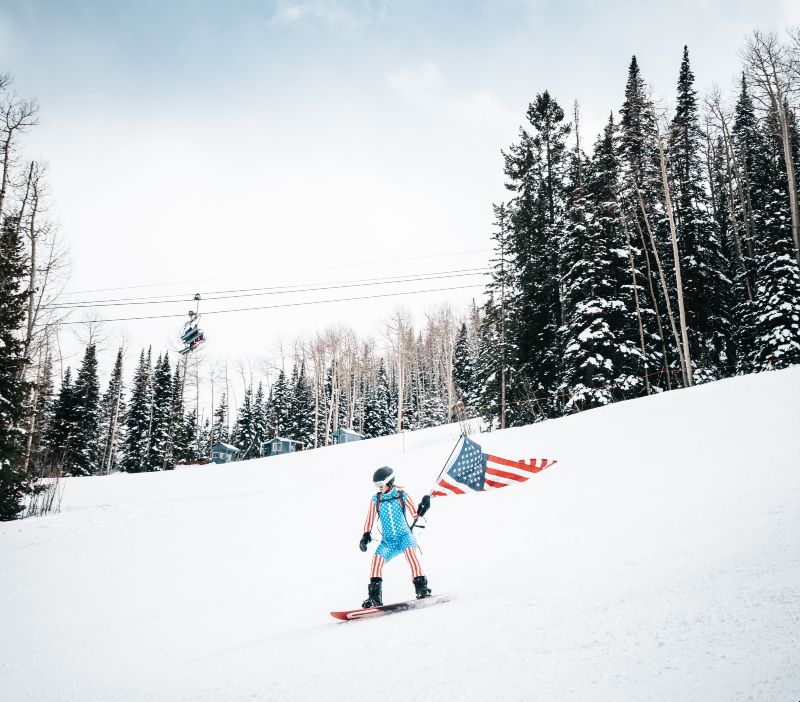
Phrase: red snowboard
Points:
(390, 608)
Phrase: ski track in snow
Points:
(658, 559)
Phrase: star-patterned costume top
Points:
(396, 534)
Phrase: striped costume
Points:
(396, 535)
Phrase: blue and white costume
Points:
(396, 534)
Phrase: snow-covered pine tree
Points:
(776, 303)
(745, 171)
(204, 442)
(161, 415)
(639, 196)
(61, 428)
(303, 409)
(280, 404)
(731, 235)
(746, 175)
(176, 417)
(137, 419)
(536, 169)
(465, 371)
(84, 446)
(706, 287)
(220, 432)
(602, 360)
(112, 412)
(185, 448)
(259, 420)
(14, 388)
(378, 413)
(496, 350)
(244, 433)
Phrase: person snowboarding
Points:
(390, 505)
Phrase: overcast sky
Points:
(218, 146)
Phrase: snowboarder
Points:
(390, 505)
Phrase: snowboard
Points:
(390, 608)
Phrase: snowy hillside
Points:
(622, 573)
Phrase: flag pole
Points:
(435, 482)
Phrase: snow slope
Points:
(624, 572)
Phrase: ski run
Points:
(623, 573)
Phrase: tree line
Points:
(155, 421)
(663, 256)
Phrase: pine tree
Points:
(186, 448)
(62, 427)
(775, 315)
(465, 371)
(138, 419)
(220, 433)
(245, 434)
(746, 181)
(112, 412)
(536, 168)
(641, 197)
(378, 411)
(161, 415)
(280, 405)
(204, 442)
(497, 351)
(303, 410)
(176, 418)
(602, 360)
(706, 287)
(259, 420)
(14, 389)
(83, 446)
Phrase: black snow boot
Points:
(374, 594)
(421, 586)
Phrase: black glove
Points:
(364, 541)
(424, 505)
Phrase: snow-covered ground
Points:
(658, 560)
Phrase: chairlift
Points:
(192, 336)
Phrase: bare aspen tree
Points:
(732, 173)
(742, 184)
(397, 333)
(676, 255)
(772, 69)
(16, 116)
(318, 354)
(663, 281)
(441, 333)
(48, 268)
(654, 300)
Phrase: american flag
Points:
(474, 471)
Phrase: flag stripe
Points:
(504, 474)
(522, 465)
(447, 486)
(492, 484)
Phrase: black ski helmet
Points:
(383, 476)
